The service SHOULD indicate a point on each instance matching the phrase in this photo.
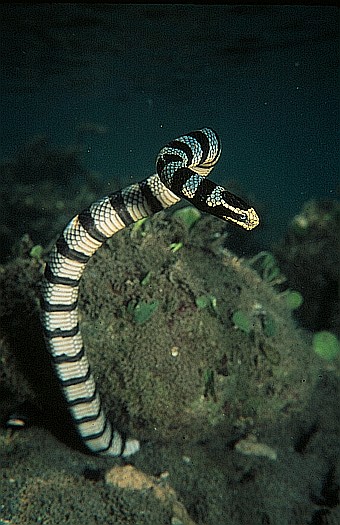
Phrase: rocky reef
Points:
(309, 256)
(203, 355)
(172, 359)
(194, 352)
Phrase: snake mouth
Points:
(253, 219)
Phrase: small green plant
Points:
(142, 311)
(266, 265)
(188, 215)
(146, 279)
(203, 301)
(138, 225)
(175, 246)
(242, 321)
(269, 326)
(36, 251)
(293, 299)
(326, 345)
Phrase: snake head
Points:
(229, 207)
(247, 219)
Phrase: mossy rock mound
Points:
(182, 370)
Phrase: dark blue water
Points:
(265, 77)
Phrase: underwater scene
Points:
(169, 264)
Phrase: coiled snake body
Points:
(182, 166)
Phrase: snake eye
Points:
(243, 217)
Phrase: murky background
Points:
(123, 80)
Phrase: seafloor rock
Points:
(187, 372)
(184, 370)
(170, 360)
(129, 478)
(309, 256)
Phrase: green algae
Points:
(188, 215)
(142, 311)
(204, 301)
(293, 299)
(138, 226)
(175, 246)
(326, 345)
(146, 279)
(269, 326)
(242, 321)
(36, 251)
(267, 266)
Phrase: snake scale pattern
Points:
(182, 166)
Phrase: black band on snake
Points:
(182, 166)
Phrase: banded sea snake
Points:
(182, 166)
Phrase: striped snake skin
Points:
(182, 167)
